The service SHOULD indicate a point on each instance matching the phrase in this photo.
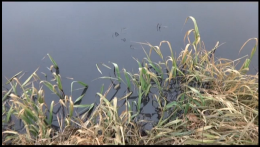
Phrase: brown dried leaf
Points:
(192, 117)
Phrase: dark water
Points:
(80, 34)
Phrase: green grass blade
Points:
(51, 113)
(157, 83)
(253, 52)
(147, 89)
(3, 108)
(117, 72)
(84, 106)
(5, 96)
(127, 79)
(29, 113)
(102, 89)
(182, 96)
(59, 82)
(81, 83)
(186, 109)
(79, 99)
(52, 88)
(156, 69)
(142, 80)
(173, 122)
(9, 113)
(34, 130)
(26, 119)
(106, 101)
(48, 84)
(8, 81)
(129, 106)
(140, 66)
(133, 116)
(151, 63)
(157, 50)
(198, 93)
(194, 90)
(53, 62)
(14, 88)
(71, 86)
(27, 80)
(173, 103)
(71, 108)
(160, 70)
(30, 77)
(196, 34)
(139, 99)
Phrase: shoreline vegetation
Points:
(213, 103)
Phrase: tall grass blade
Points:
(53, 62)
(133, 116)
(196, 34)
(147, 90)
(5, 96)
(59, 82)
(171, 104)
(48, 84)
(139, 99)
(117, 72)
(84, 106)
(30, 77)
(139, 64)
(102, 89)
(71, 108)
(186, 109)
(8, 81)
(9, 113)
(78, 99)
(51, 114)
(151, 63)
(81, 83)
(127, 79)
(27, 80)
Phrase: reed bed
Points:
(215, 103)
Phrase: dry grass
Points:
(217, 104)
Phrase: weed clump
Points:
(198, 100)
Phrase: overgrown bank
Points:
(214, 104)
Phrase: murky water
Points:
(80, 34)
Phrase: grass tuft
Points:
(198, 100)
